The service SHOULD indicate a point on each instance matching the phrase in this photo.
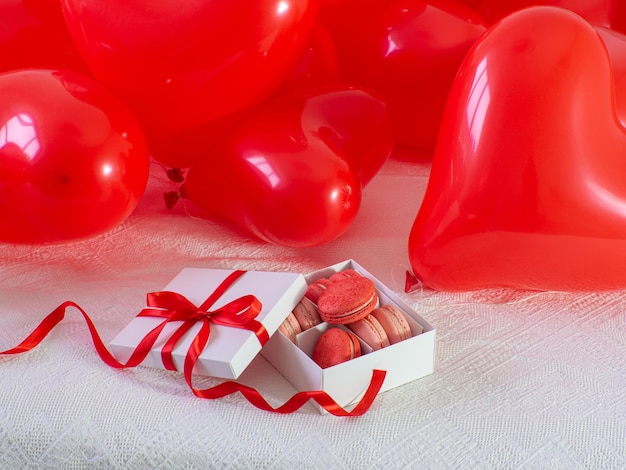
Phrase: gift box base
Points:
(346, 383)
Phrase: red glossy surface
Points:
(73, 160)
(184, 65)
(410, 53)
(597, 12)
(618, 22)
(527, 185)
(318, 65)
(615, 43)
(33, 34)
(290, 173)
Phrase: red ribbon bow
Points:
(240, 313)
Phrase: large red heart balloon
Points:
(291, 173)
(410, 53)
(184, 65)
(527, 187)
(615, 43)
(618, 21)
(33, 34)
(73, 159)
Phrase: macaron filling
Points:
(371, 301)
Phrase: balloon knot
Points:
(411, 282)
(177, 175)
(171, 198)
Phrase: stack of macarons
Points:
(350, 301)
(386, 325)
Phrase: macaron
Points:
(290, 327)
(371, 332)
(347, 300)
(306, 314)
(316, 289)
(339, 276)
(393, 322)
(335, 346)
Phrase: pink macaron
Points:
(316, 289)
(290, 327)
(347, 300)
(371, 332)
(335, 346)
(394, 323)
(306, 314)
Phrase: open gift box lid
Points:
(230, 350)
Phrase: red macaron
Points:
(290, 327)
(306, 314)
(371, 332)
(347, 300)
(316, 289)
(335, 346)
(393, 322)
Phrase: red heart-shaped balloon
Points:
(73, 159)
(527, 187)
(183, 65)
(615, 43)
(410, 53)
(290, 173)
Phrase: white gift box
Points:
(230, 350)
(346, 383)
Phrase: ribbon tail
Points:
(42, 330)
(58, 314)
(299, 399)
(218, 391)
(195, 349)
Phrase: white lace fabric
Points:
(522, 379)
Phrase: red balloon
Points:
(615, 43)
(354, 123)
(318, 65)
(33, 34)
(73, 160)
(527, 184)
(618, 20)
(410, 53)
(597, 12)
(289, 174)
(185, 65)
(345, 21)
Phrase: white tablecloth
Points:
(522, 379)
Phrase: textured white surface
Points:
(522, 379)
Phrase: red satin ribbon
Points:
(240, 317)
(240, 313)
